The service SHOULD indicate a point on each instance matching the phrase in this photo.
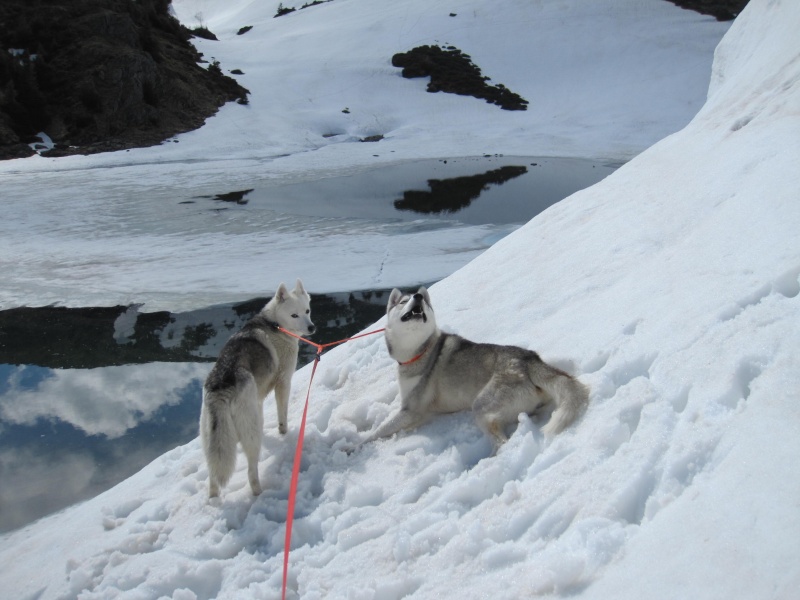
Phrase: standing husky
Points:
(252, 363)
(443, 373)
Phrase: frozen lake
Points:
(441, 194)
(105, 237)
(91, 394)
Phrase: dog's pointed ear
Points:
(298, 287)
(282, 292)
(394, 299)
(425, 295)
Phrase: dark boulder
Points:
(721, 10)
(452, 71)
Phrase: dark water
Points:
(88, 396)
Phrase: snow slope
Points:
(672, 288)
(605, 80)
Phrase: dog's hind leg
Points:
(493, 427)
(249, 423)
(497, 406)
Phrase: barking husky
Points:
(443, 373)
(252, 363)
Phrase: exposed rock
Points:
(285, 10)
(101, 75)
(452, 71)
(722, 10)
(203, 32)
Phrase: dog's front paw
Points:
(282, 429)
(213, 490)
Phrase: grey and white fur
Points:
(255, 361)
(443, 373)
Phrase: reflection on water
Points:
(457, 193)
(69, 434)
(490, 190)
(89, 396)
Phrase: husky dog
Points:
(442, 373)
(253, 362)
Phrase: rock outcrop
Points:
(101, 75)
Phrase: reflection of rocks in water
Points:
(337, 316)
(452, 195)
(78, 338)
(237, 197)
(84, 338)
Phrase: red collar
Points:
(416, 358)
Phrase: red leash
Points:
(298, 452)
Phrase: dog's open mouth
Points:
(416, 312)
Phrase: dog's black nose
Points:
(417, 296)
(312, 328)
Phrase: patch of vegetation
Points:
(284, 10)
(215, 67)
(453, 72)
(203, 32)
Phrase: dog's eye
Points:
(308, 311)
(295, 316)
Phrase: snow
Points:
(672, 288)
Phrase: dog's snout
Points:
(418, 297)
(312, 328)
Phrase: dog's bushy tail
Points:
(219, 438)
(571, 397)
